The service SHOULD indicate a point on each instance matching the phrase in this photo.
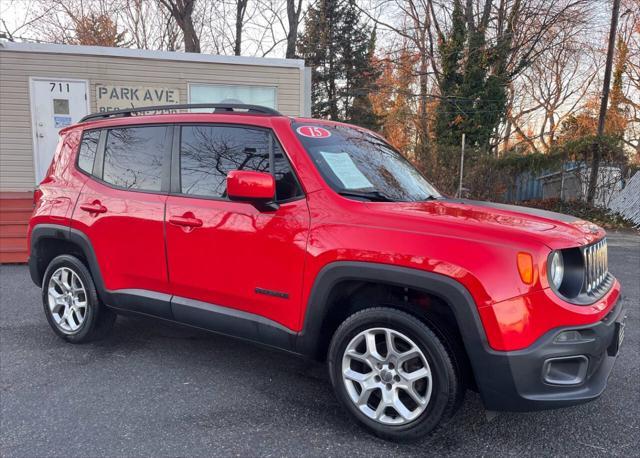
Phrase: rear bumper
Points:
(553, 372)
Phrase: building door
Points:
(55, 104)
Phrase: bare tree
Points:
(77, 22)
(224, 24)
(182, 12)
(273, 27)
(149, 25)
(416, 24)
(293, 18)
(629, 36)
(503, 37)
(551, 90)
(241, 9)
(215, 18)
(258, 27)
(18, 17)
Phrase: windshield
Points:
(360, 165)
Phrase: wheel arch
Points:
(451, 292)
(50, 240)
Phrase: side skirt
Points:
(140, 301)
(210, 317)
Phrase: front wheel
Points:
(71, 302)
(393, 374)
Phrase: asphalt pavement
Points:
(156, 389)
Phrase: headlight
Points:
(556, 269)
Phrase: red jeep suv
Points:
(319, 238)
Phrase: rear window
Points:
(134, 156)
(88, 149)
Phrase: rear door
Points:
(121, 210)
(234, 255)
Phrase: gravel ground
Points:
(154, 389)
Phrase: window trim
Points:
(98, 163)
(175, 188)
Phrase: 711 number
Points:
(60, 86)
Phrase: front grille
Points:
(596, 267)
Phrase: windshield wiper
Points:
(374, 196)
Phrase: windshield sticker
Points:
(346, 170)
(313, 132)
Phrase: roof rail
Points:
(217, 107)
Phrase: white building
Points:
(45, 87)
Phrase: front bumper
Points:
(552, 372)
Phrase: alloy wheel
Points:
(67, 299)
(387, 376)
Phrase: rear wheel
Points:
(393, 374)
(71, 302)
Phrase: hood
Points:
(552, 229)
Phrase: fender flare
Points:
(452, 292)
(58, 232)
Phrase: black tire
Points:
(447, 387)
(98, 319)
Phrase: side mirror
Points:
(257, 188)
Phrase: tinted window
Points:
(133, 157)
(88, 148)
(208, 153)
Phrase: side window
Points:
(133, 157)
(88, 148)
(208, 153)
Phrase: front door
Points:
(55, 104)
(224, 253)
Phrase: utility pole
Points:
(597, 150)
(461, 167)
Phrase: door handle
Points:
(94, 207)
(185, 221)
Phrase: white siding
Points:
(16, 144)
(627, 201)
